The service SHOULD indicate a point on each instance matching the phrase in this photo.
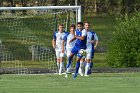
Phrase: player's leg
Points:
(69, 63)
(87, 67)
(81, 65)
(79, 56)
(58, 58)
(91, 66)
(61, 63)
(77, 67)
(88, 60)
(91, 63)
(73, 52)
(68, 54)
(69, 60)
(68, 68)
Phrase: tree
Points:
(54, 2)
(124, 50)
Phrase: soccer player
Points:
(69, 44)
(59, 46)
(91, 38)
(89, 47)
(80, 36)
(94, 45)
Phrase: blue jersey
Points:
(81, 44)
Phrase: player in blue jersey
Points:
(69, 44)
(59, 46)
(80, 36)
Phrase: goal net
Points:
(26, 34)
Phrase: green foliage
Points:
(119, 7)
(124, 51)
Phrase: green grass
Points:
(99, 62)
(96, 83)
(27, 64)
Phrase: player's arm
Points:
(72, 39)
(63, 43)
(54, 41)
(84, 33)
(96, 40)
(80, 37)
(96, 44)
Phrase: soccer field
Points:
(96, 83)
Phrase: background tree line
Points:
(111, 7)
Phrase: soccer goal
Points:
(26, 34)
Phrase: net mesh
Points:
(26, 36)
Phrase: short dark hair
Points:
(80, 23)
(72, 26)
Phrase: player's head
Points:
(86, 25)
(72, 28)
(80, 25)
(60, 27)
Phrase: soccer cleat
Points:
(66, 75)
(86, 75)
(60, 74)
(75, 75)
(81, 74)
(68, 72)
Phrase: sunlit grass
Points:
(95, 83)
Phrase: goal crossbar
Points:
(46, 7)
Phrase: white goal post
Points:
(47, 7)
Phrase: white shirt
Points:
(59, 38)
(89, 38)
(69, 44)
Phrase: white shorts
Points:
(59, 54)
(88, 54)
(68, 51)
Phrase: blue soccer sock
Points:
(76, 70)
(69, 62)
(77, 67)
